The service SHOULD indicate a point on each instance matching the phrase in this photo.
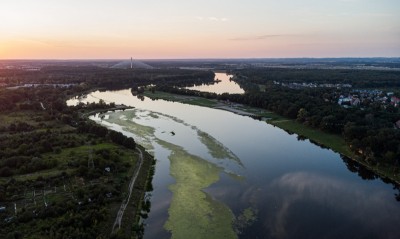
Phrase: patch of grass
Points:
(21, 116)
(388, 171)
(44, 173)
(332, 141)
(200, 102)
(162, 95)
(262, 113)
(192, 100)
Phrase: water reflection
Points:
(222, 84)
(293, 188)
(310, 197)
(358, 168)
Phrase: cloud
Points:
(330, 194)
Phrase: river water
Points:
(222, 175)
(222, 84)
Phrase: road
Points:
(124, 204)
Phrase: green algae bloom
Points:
(192, 213)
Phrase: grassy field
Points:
(182, 99)
(332, 141)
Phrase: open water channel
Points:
(222, 175)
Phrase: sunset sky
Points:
(87, 29)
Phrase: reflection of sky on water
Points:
(299, 189)
(304, 198)
(225, 85)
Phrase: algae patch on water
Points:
(216, 149)
(245, 219)
(193, 213)
(144, 134)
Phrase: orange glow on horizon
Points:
(159, 47)
(71, 29)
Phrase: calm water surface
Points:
(223, 84)
(221, 175)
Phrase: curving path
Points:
(124, 204)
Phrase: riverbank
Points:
(105, 110)
(331, 141)
(126, 219)
(335, 143)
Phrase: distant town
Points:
(348, 97)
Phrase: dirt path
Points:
(125, 203)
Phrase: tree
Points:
(302, 115)
(5, 172)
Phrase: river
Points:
(222, 175)
(222, 84)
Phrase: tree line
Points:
(369, 132)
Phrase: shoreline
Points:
(333, 142)
(131, 222)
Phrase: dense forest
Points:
(357, 78)
(109, 78)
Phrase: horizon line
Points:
(200, 58)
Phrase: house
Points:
(395, 101)
(355, 101)
(344, 101)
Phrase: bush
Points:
(5, 172)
